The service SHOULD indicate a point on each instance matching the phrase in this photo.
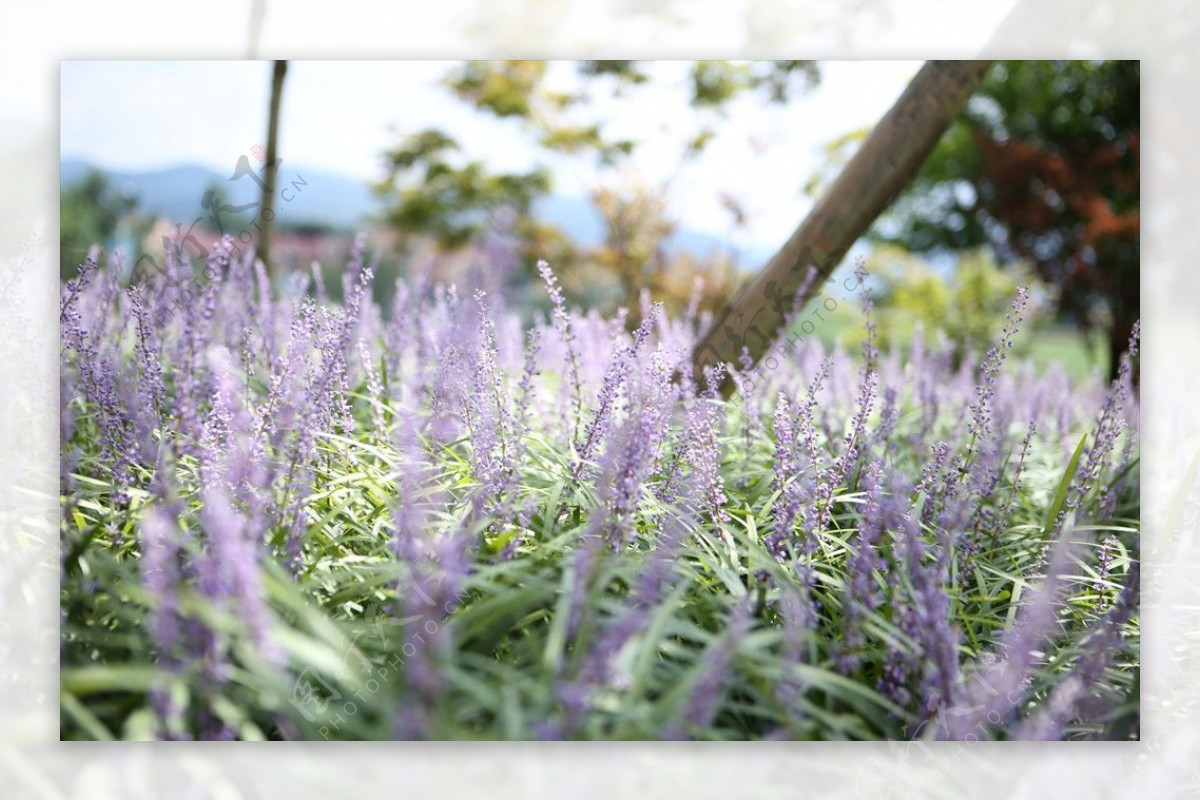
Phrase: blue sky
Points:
(341, 115)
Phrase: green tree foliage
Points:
(436, 192)
(967, 305)
(89, 214)
(714, 83)
(1042, 167)
(440, 195)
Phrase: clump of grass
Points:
(286, 519)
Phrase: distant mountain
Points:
(305, 196)
(320, 197)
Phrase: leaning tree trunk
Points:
(874, 177)
(267, 212)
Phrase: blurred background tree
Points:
(432, 190)
(89, 214)
(448, 199)
(966, 303)
(1042, 167)
(962, 303)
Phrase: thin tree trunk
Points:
(874, 177)
(267, 213)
